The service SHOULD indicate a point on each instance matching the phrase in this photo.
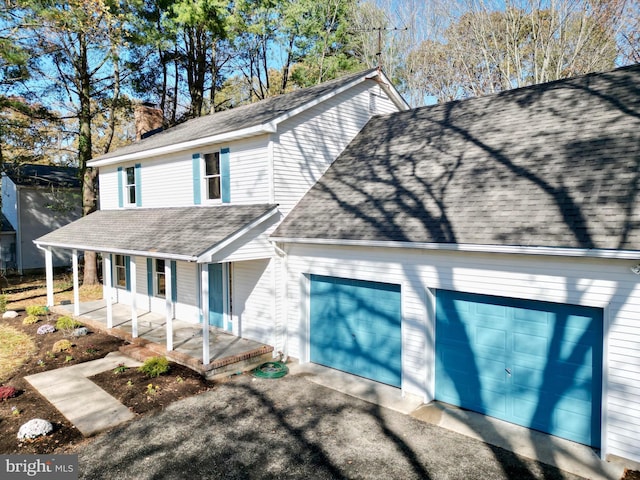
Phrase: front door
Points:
(216, 295)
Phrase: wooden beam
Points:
(107, 288)
(134, 294)
(168, 303)
(76, 283)
(204, 310)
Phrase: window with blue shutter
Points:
(121, 271)
(138, 187)
(215, 183)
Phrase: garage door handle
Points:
(508, 370)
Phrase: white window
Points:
(120, 266)
(212, 175)
(160, 284)
(130, 185)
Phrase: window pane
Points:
(212, 164)
(132, 194)
(119, 260)
(121, 277)
(161, 285)
(131, 176)
(213, 187)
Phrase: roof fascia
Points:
(182, 146)
(117, 251)
(205, 256)
(390, 90)
(505, 249)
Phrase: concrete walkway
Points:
(82, 402)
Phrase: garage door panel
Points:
(551, 358)
(355, 326)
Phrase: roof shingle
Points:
(555, 165)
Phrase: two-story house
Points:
(185, 214)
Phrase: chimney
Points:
(148, 120)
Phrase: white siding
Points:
(167, 181)
(254, 300)
(606, 284)
(308, 143)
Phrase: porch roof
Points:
(179, 233)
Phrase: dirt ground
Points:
(130, 387)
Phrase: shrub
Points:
(37, 310)
(67, 324)
(155, 366)
(61, 346)
(7, 391)
(46, 328)
(3, 303)
(30, 320)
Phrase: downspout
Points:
(285, 295)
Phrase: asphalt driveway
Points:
(252, 428)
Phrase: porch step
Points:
(137, 352)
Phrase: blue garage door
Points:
(535, 364)
(355, 327)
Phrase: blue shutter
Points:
(196, 178)
(174, 282)
(138, 171)
(150, 277)
(127, 272)
(224, 175)
(120, 189)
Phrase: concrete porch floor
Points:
(227, 353)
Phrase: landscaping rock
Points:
(80, 332)
(10, 314)
(46, 328)
(34, 428)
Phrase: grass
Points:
(36, 293)
(15, 349)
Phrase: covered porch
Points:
(228, 353)
(165, 275)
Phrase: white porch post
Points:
(204, 308)
(168, 303)
(134, 306)
(48, 263)
(107, 289)
(76, 283)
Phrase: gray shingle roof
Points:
(28, 174)
(180, 231)
(236, 118)
(554, 165)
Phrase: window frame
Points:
(159, 278)
(118, 270)
(207, 177)
(130, 188)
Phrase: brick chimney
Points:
(148, 120)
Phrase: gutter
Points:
(503, 249)
(177, 147)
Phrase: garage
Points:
(355, 326)
(535, 364)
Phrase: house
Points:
(185, 214)
(36, 199)
(484, 253)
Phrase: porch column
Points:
(169, 304)
(107, 288)
(76, 288)
(204, 308)
(134, 307)
(48, 264)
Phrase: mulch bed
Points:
(130, 387)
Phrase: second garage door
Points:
(535, 364)
(355, 326)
